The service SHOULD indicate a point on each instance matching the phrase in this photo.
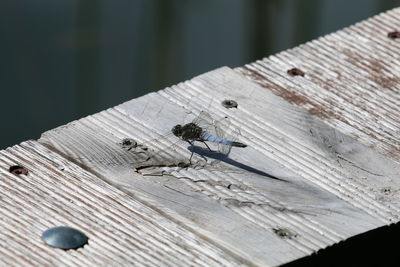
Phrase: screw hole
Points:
(296, 72)
(230, 103)
(18, 170)
(284, 233)
(128, 144)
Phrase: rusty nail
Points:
(295, 72)
(394, 35)
(18, 170)
(230, 103)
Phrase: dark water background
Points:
(62, 60)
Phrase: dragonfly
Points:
(202, 129)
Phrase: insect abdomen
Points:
(211, 138)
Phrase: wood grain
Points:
(320, 166)
(351, 80)
(297, 176)
(121, 230)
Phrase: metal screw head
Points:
(64, 237)
(229, 103)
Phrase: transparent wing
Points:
(219, 128)
(161, 153)
(205, 121)
(159, 150)
(159, 141)
(213, 127)
(224, 131)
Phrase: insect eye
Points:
(177, 130)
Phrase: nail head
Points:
(64, 237)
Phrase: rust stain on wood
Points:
(330, 109)
(314, 108)
(323, 114)
(375, 68)
(292, 97)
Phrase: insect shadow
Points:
(205, 153)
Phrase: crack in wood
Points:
(356, 166)
(179, 164)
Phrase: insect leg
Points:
(190, 160)
(191, 155)
(207, 146)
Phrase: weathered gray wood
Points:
(121, 230)
(321, 164)
(351, 80)
(330, 187)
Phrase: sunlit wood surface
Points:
(321, 124)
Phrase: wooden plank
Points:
(329, 186)
(351, 80)
(121, 230)
(321, 164)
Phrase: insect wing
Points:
(224, 131)
(157, 141)
(162, 145)
(205, 121)
(165, 150)
(218, 129)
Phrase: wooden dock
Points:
(321, 123)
